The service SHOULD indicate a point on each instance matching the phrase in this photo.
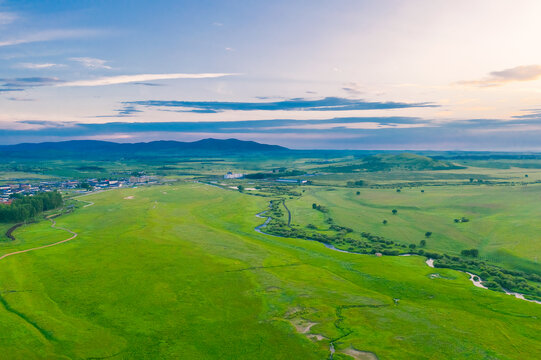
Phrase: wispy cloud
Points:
(17, 84)
(7, 18)
(125, 79)
(296, 104)
(92, 63)
(352, 88)
(20, 99)
(35, 66)
(48, 35)
(497, 78)
(9, 89)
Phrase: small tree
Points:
(397, 190)
(428, 234)
(412, 246)
(394, 211)
(384, 222)
(422, 243)
(314, 206)
(422, 191)
(241, 188)
(358, 193)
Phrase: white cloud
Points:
(92, 63)
(124, 79)
(48, 36)
(39, 66)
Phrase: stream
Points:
(430, 262)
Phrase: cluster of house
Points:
(8, 190)
(231, 175)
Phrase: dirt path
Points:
(53, 225)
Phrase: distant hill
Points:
(86, 148)
(385, 162)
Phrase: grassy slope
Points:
(500, 224)
(178, 272)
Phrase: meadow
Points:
(178, 271)
(500, 217)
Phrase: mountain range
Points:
(95, 147)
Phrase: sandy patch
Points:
(316, 337)
(360, 355)
(129, 197)
(251, 189)
(164, 192)
(302, 326)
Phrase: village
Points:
(10, 191)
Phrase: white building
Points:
(230, 175)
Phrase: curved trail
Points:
(53, 225)
(429, 262)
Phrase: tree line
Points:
(27, 207)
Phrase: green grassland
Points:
(500, 225)
(178, 272)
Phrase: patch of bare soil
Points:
(359, 355)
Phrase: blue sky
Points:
(352, 74)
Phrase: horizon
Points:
(357, 75)
(285, 148)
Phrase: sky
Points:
(341, 74)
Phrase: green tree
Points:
(384, 222)
(422, 243)
(394, 211)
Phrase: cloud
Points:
(20, 99)
(38, 66)
(296, 104)
(352, 88)
(49, 35)
(497, 78)
(91, 63)
(27, 82)
(125, 79)
(7, 18)
(146, 84)
(534, 114)
(127, 111)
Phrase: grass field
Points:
(500, 225)
(178, 272)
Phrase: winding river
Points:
(476, 280)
